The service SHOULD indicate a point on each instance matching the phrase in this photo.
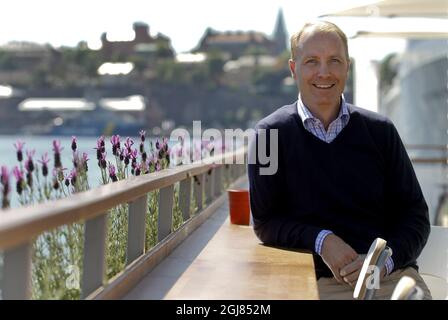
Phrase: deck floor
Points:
(156, 284)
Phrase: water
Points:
(42, 144)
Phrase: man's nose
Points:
(324, 70)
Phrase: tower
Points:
(280, 35)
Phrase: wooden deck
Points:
(224, 261)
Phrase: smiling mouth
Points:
(323, 86)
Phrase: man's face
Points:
(320, 69)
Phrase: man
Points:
(343, 179)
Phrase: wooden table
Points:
(235, 265)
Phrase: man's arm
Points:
(409, 221)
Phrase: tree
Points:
(215, 66)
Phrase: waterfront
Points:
(42, 144)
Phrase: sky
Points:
(66, 22)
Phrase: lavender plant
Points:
(58, 252)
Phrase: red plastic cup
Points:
(239, 206)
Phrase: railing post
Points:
(241, 170)
(233, 172)
(227, 172)
(16, 278)
(218, 181)
(165, 212)
(185, 197)
(209, 184)
(94, 254)
(198, 187)
(212, 185)
(136, 228)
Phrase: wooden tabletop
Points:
(235, 265)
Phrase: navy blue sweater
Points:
(360, 186)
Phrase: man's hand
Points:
(350, 272)
(337, 254)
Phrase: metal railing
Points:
(438, 154)
(19, 227)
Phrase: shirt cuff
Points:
(320, 240)
(389, 265)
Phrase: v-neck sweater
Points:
(360, 186)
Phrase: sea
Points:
(44, 144)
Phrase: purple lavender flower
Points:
(55, 179)
(127, 155)
(18, 174)
(72, 176)
(44, 162)
(128, 144)
(84, 161)
(115, 141)
(142, 147)
(157, 144)
(75, 159)
(98, 153)
(100, 147)
(101, 142)
(74, 146)
(164, 144)
(57, 146)
(102, 163)
(67, 181)
(29, 164)
(158, 167)
(112, 173)
(134, 154)
(19, 147)
(138, 169)
(4, 180)
(57, 153)
(29, 179)
(142, 135)
(59, 173)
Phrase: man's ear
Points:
(292, 68)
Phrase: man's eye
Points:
(336, 60)
(310, 61)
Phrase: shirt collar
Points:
(306, 115)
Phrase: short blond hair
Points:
(319, 26)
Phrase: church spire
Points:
(280, 35)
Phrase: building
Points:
(238, 43)
(280, 35)
(143, 45)
(18, 59)
(417, 104)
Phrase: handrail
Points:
(429, 160)
(21, 224)
(439, 147)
